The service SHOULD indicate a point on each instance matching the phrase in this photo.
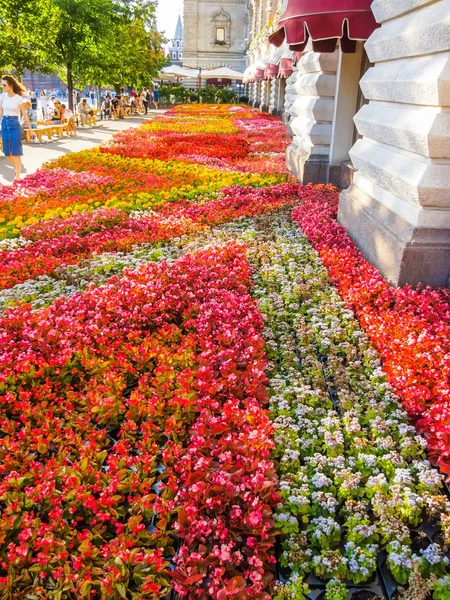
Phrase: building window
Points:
(174, 55)
(220, 35)
(221, 28)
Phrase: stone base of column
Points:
(311, 169)
(256, 104)
(403, 253)
(347, 173)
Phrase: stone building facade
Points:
(370, 111)
(215, 33)
(175, 50)
(265, 77)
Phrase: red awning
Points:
(271, 71)
(273, 62)
(286, 68)
(325, 21)
(259, 74)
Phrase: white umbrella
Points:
(222, 73)
(176, 71)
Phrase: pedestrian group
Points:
(21, 109)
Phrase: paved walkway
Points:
(35, 154)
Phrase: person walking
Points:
(11, 106)
(33, 101)
(145, 99)
(44, 104)
(155, 97)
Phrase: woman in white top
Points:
(44, 104)
(11, 105)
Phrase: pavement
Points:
(35, 154)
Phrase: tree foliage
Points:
(27, 30)
(101, 42)
(129, 54)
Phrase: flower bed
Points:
(64, 242)
(126, 189)
(410, 328)
(186, 398)
(104, 403)
(355, 484)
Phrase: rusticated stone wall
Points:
(398, 207)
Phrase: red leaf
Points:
(236, 583)
(193, 579)
(194, 477)
(182, 518)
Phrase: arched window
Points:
(221, 28)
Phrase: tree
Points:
(130, 53)
(106, 42)
(27, 30)
(81, 24)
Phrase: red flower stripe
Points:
(81, 508)
(59, 242)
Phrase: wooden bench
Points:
(60, 129)
(91, 120)
(47, 130)
(40, 131)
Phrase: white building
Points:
(175, 51)
(368, 106)
(215, 33)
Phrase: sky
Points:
(167, 15)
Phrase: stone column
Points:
(251, 93)
(311, 117)
(274, 108)
(290, 95)
(257, 94)
(281, 84)
(398, 208)
(264, 104)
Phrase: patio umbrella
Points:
(222, 73)
(180, 72)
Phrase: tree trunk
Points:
(70, 85)
(99, 99)
(117, 89)
(18, 72)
